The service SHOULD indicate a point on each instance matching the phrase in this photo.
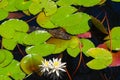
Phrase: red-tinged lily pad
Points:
(103, 46)
(30, 62)
(84, 35)
(116, 59)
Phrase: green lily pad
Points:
(8, 58)
(11, 6)
(37, 37)
(3, 3)
(63, 12)
(87, 3)
(13, 70)
(30, 62)
(74, 42)
(2, 56)
(50, 7)
(115, 39)
(44, 21)
(42, 49)
(73, 51)
(9, 27)
(3, 14)
(116, 0)
(9, 44)
(20, 25)
(6, 32)
(65, 2)
(19, 37)
(73, 23)
(4, 77)
(23, 5)
(60, 44)
(84, 3)
(102, 58)
(35, 8)
(86, 45)
(79, 23)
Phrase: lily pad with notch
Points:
(102, 58)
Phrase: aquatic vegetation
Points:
(58, 28)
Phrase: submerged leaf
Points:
(99, 25)
(116, 59)
(102, 58)
(30, 62)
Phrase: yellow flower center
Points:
(46, 63)
(56, 64)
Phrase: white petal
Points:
(62, 69)
(57, 72)
(59, 60)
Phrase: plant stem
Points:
(20, 50)
(31, 19)
(108, 25)
(80, 58)
(68, 74)
(103, 19)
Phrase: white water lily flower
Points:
(53, 68)
(44, 66)
(57, 66)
